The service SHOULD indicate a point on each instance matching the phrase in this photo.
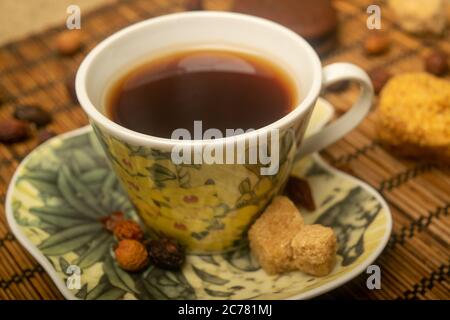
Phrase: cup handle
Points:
(333, 73)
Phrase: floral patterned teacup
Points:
(209, 207)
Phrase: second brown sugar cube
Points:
(281, 242)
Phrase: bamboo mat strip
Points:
(416, 263)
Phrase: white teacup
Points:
(212, 211)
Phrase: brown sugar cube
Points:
(314, 250)
(271, 235)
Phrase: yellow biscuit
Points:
(414, 116)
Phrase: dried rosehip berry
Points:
(166, 253)
(299, 191)
(12, 130)
(131, 255)
(32, 113)
(111, 221)
(128, 229)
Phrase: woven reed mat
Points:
(416, 262)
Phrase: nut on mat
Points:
(32, 113)
(12, 130)
(376, 43)
(436, 62)
(69, 42)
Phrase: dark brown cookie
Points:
(315, 20)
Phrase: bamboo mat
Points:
(416, 263)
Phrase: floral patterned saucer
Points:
(53, 223)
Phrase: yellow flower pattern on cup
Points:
(208, 208)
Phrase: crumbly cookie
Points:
(315, 20)
(420, 16)
(414, 116)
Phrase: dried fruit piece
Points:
(128, 229)
(376, 43)
(68, 42)
(299, 191)
(12, 130)
(32, 113)
(166, 253)
(436, 62)
(111, 221)
(131, 255)
(379, 78)
(44, 135)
